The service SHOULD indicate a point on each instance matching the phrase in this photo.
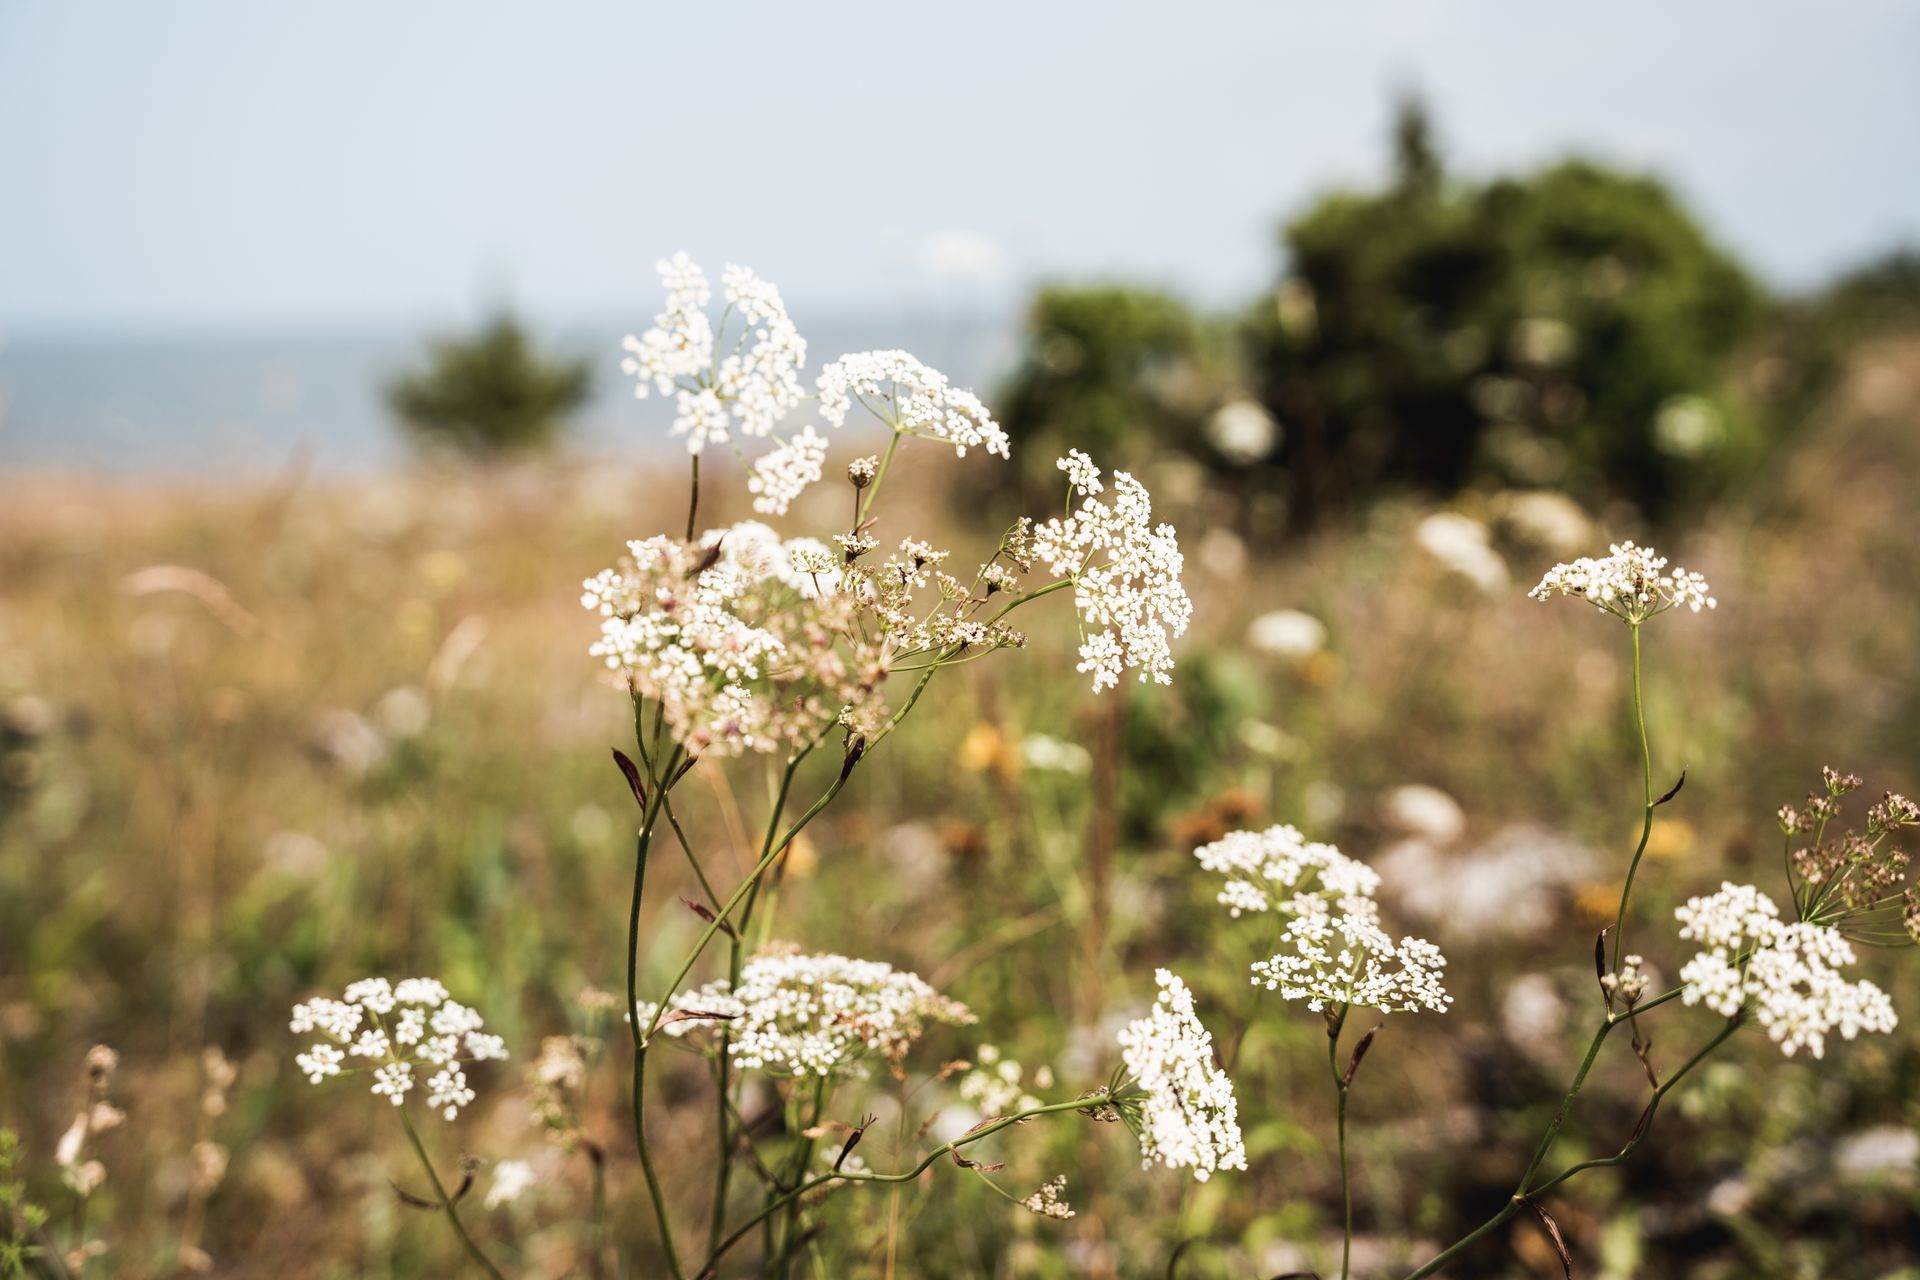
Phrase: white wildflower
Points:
(409, 1024)
(420, 991)
(1631, 583)
(319, 1062)
(1334, 951)
(783, 474)
(1125, 572)
(447, 1091)
(749, 643)
(1188, 1118)
(996, 1086)
(1082, 474)
(511, 1178)
(816, 1015)
(1265, 870)
(1789, 974)
(1630, 983)
(748, 390)
(911, 398)
(394, 1080)
(1336, 954)
(1047, 1201)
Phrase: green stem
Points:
(773, 1206)
(643, 843)
(1520, 1193)
(879, 475)
(693, 498)
(446, 1203)
(717, 1222)
(1646, 820)
(1340, 1088)
(1646, 1122)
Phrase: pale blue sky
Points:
(221, 163)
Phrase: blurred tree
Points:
(489, 394)
(1113, 371)
(1571, 327)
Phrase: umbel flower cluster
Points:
(813, 1015)
(747, 390)
(1630, 582)
(1335, 952)
(754, 643)
(912, 398)
(396, 1031)
(740, 636)
(1125, 572)
(1186, 1116)
(1788, 974)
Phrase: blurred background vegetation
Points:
(256, 742)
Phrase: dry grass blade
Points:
(1553, 1234)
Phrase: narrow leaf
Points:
(688, 1015)
(1360, 1051)
(1553, 1233)
(853, 1140)
(1600, 962)
(632, 773)
(1673, 791)
(409, 1199)
(726, 926)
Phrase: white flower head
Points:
(816, 1015)
(747, 390)
(1188, 1117)
(1333, 949)
(1049, 1200)
(1336, 954)
(911, 398)
(783, 474)
(511, 1178)
(397, 1027)
(1266, 870)
(1630, 582)
(1125, 572)
(1788, 974)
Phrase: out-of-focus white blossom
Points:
(1287, 633)
(1048, 1201)
(511, 1178)
(911, 398)
(1788, 974)
(1630, 582)
(397, 1027)
(997, 1086)
(1188, 1117)
(1051, 755)
(1125, 572)
(814, 1015)
(782, 474)
(1460, 543)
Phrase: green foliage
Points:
(489, 394)
(1568, 327)
(20, 1219)
(1572, 327)
(1113, 370)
